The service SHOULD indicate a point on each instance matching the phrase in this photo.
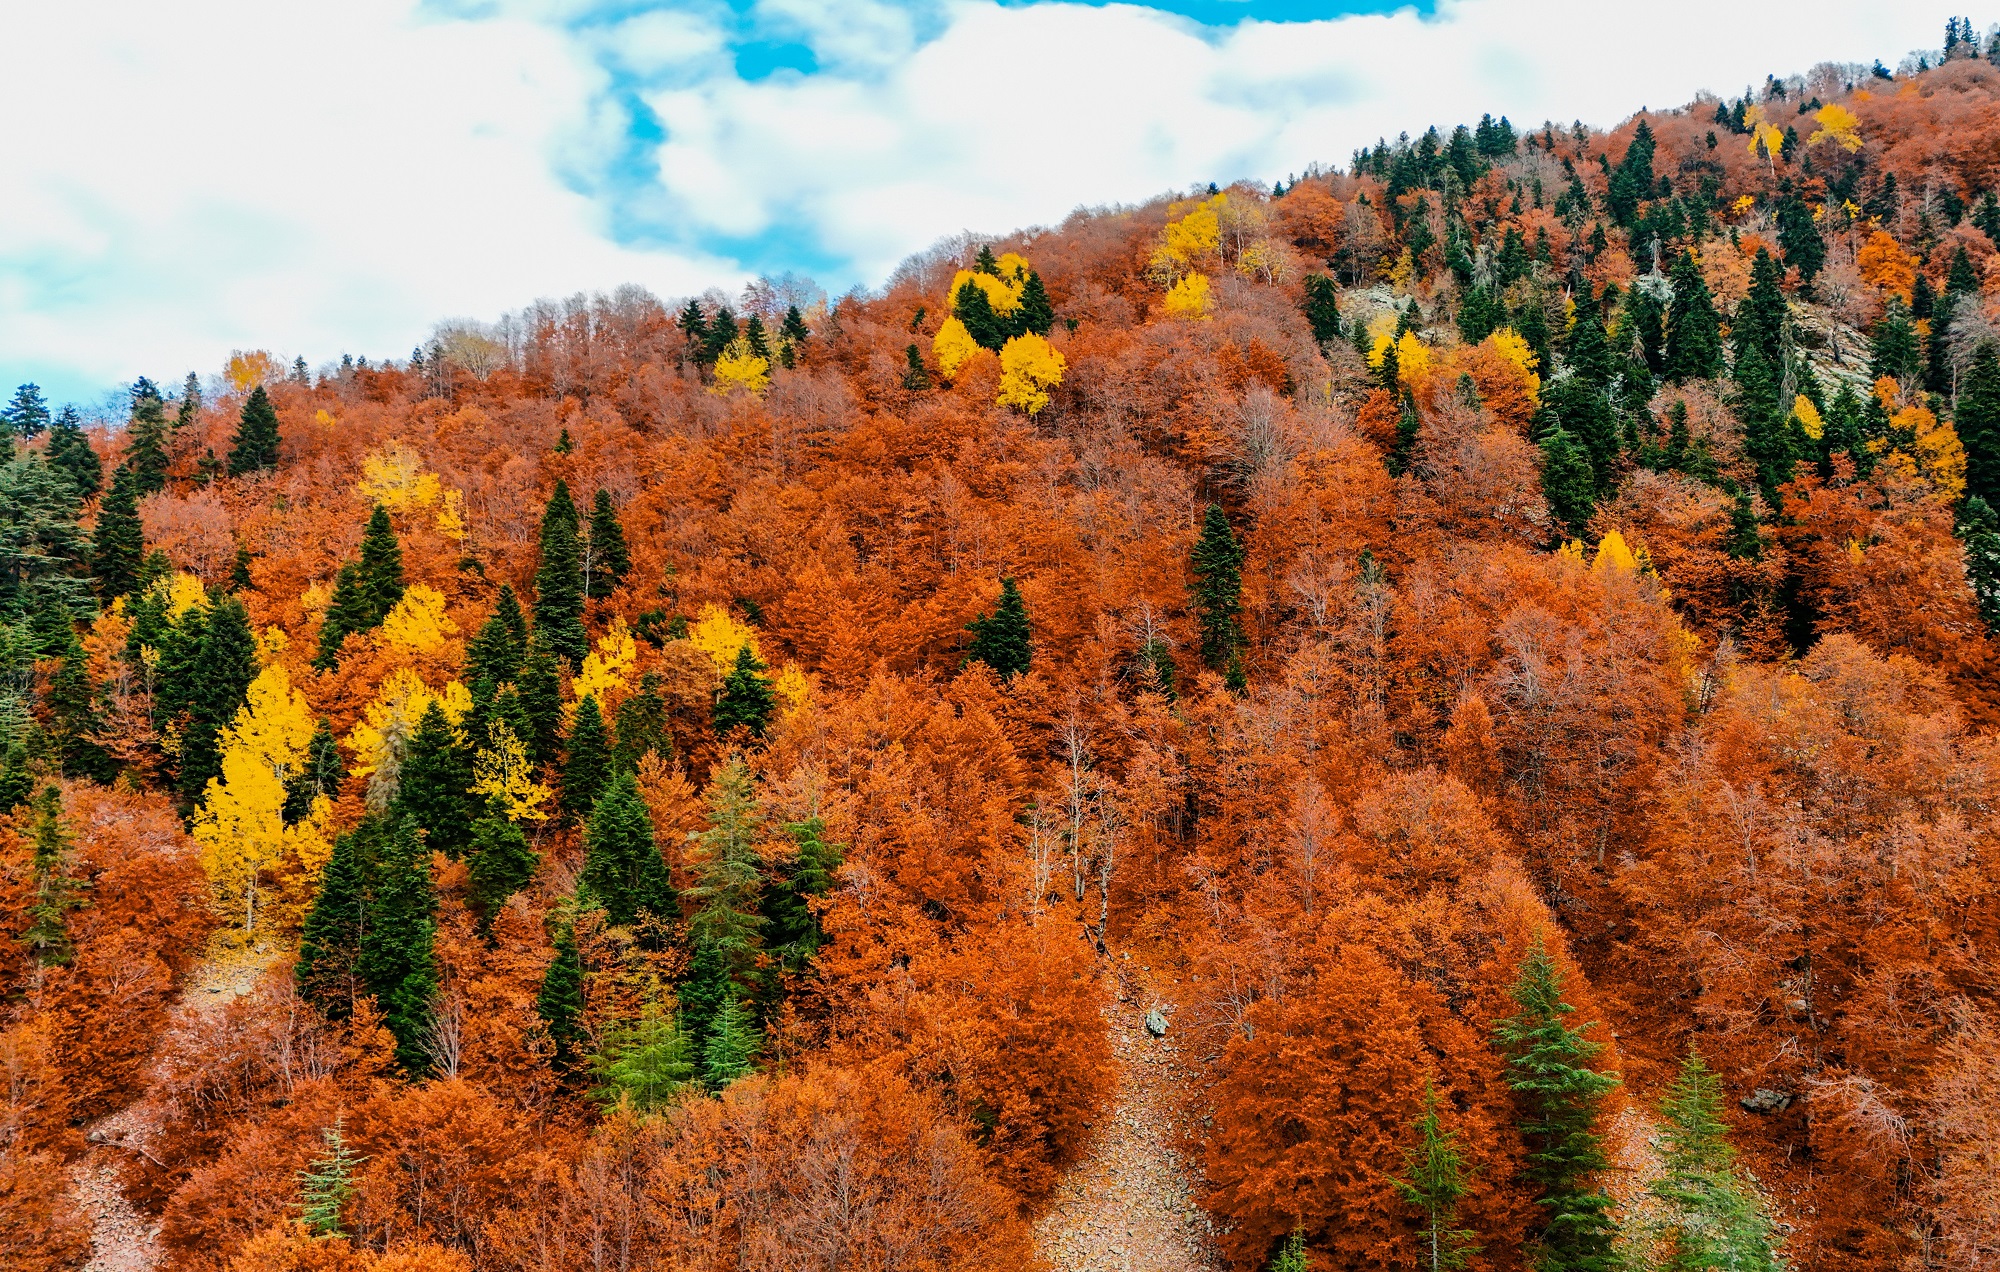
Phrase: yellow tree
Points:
(720, 636)
(1029, 367)
(1188, 299)
(378, 740)
(241, 825)
(503, 774)
(418, 624)
(954, 347)
(1838, 125)
(739, 370)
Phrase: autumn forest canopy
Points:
(1495, 641)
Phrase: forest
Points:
(1493, 641)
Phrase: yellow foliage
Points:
(1571, 551)
(1413, 357)
(395, 478)
(1808, 417)
(1193, 237)
(715, 633)
(1400, 273)
(1511, 345)
(739, 370)
(182, 592)
(501, 772)
(1940, 455)
(1839, 125)
(1004, 294)
(792, 688)
(1189, 299)
(1029, 367)
(418, 623)
(450, 519)
(1743, 204)
(316, 598)
(271, 645)
(246, 370)
(392, 718)
(324, 418)
(1380, 348)
(308, 843)
(240, 825)
(604, 669)
(954, 347)
(1614, 554)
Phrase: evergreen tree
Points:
(609, 560)
(1579, 408)
(327, 1185)
(726, 930)
(721, 334)
(1559, 1096)
(256, 443)
(1746, 538)
(1632, 180)
(694, 329)
(1003, 640)
(119, 545)
(1694, 333)
(559, 580)
(381, 567)
(320, 776)
(622, 867)
(755, 337)
(745, 697)
(987, 328)
(434, 788)
(792, 335)
(587, 762)
(1034, 315)
(1977, 420)
(1478, 315)
(1798, 235)
(539, 690)
(1438, 1179)
(1409, 432)
(791, 929)
(642, 726)
(26, 415)
(1713, 1220)
(733, 1043)
(17, 779)
(1217, 566)
(220, 679)
(396, 961)
(560, 1002)
(330, 942)
(499, 864)
(916, 378)
(239, 572)
(55, 893)
(1979, 530)
(146, 438)
(646, 1063)
(1767, 438)
(70, 453)
(1291, 1256)
(1322, 308)
(189, 412)
(494, 657)
(1531, 323)
(43, 553)
(71, 705)
(1764, 314)
(1892, 347)
(347, 612)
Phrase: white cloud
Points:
(184, 179)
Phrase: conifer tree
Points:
(17, 779)
(70, 453)
(646, 1063)
(1798, 235)
(726, 930)
(1034, 316)
(146, 438)
(560, 1002)
(587, 762)
(396, 960)
(26, 415)
(1977, 420)
(972, 307)
(1291, 1256)
(55, 892)
(327, 1185)
(733, 1043)
(1390, 373)
(494, 657)
(330, 942)
(320, 775)
(189, 412)
(1979, 530)
(792, 335)
(1694, 333)
(609, 561)
(694, 329)
(219, 680)
(1713, 1220)
(71, 705)
(1437, 1180)
(1892, 347)
(559, 580)
(239, 572)
(642, 725)
(1003, 640)
(755, 337)
(347, 612)
(745, 697)
(255, 446)
(539, 691)
(791, 930)
(435, 784)
(1559, 1096)
(381, 567)
(1764, 314)
(622, 866)
(721, 334)
(1322, 308)
(1589, 354)
(499, 864)
(1767, 441)
(119, 544)
(916, 377)
(1217, 566)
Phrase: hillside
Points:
(1492, 643)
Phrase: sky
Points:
(189, 179)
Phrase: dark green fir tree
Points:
(733, 1043)
(499, 864)
(381, 566)
(1436, 1180)
(435, 783)
(622, 867)
(26, 415)
(70, 453)
(560, 1002)
(1217, 566)
(220, 680)
(397, 961)
(118, 546)
(1713, 1219)
(1034, 316)
(1977, 420)
(539, 691)
(146, 438)
(746, 698)
(642, 726)
(607, 560)
(494, 656)
(559, 581)
(1569, 483)
(1979, 531)
(55, 892)
(1694, 332)
(1003, 639)
(255, 447)
(586, 761)
(792, 930)
(330, 943)
(916, 377)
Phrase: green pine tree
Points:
(916, 378)
(792, 335)
(189, 412)
(987, 328)
(1892, 348)
(1798, 235)
(791, 930)
(1589, 351)
(1763, 317)
(607, 560)
(642, 726)
(397, 961)
(1560, 1097)
(622, 867)
(560, 1002)
(586, 762)
(327, 1185)
(1977, 420)
(381, 567)
(1569, 483)
(1291, 1255)
(1438, 1179)
(495, 654)
(219, 681)
(499, 864)
(17, 775)
(1768, 440)
(70, 702)
(727, 927)
(1979, 530)
(119, 544)
(256, 443)
(1322, 308)
(746, 698)
(146, 438)
(330, 942)
(434, 784)
(346, 612)
(320, 776)
(1034, 316)
(1713, 1218)
(733, 1043)
(721, 334)
(239, 571)
(26, 415)
(694, 329)
(1217, 566)
(1003, 640)
(559, 580)
(645, 1063)
(1694, 333)
(55, 892)
(71, 453)
(539, 690)
(754, 336)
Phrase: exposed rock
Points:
(1765, 1100)
(1156, 1023)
